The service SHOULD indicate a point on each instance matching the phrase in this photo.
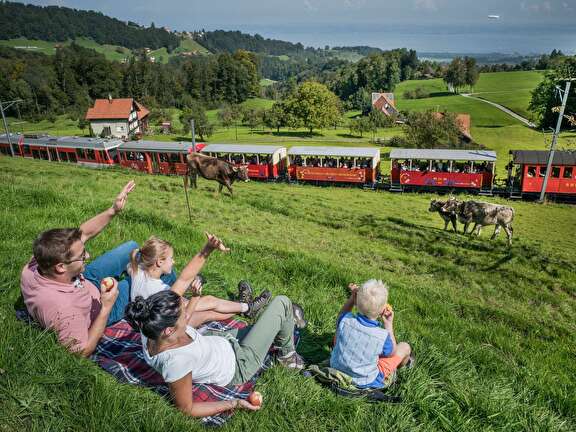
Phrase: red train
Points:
(443, 169)
(360, 165)
(527, 169)
(433, 169)
(263, 162)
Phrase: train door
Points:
(553, 185)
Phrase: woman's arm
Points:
(195, 265)
(181, 392)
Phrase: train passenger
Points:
(264, 159)
(531, 172)
(151, 271)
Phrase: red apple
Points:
(107, 283)
(255, 398)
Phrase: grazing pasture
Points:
(493, 329)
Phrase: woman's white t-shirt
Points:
(144, 285)
(211, 359)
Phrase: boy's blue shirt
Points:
(387, 349)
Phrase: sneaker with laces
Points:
(292, 360)
(258, 303)
(298, 313)
(245, 293)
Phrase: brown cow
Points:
(212, 168)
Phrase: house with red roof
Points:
(384, 102)
(119, 118)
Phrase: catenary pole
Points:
(2, 109)
(555, 140)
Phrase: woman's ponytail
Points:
(134, 261)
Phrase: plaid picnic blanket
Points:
(120, 353)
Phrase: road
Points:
(502, 108)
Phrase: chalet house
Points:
(385, 102)
(119, 118)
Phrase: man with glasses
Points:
(62, 293)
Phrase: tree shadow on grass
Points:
(347, 135)
(442, 93)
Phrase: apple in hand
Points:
(255, 398)
(387, 310)
(107, 283)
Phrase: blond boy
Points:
(364, 349)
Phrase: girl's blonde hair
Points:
(149, 253)
(371, 298)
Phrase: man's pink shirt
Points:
(64, 307)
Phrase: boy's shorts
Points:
(387, 365)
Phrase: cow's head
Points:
(241, 172)
(435, 205)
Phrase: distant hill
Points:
(60, 24)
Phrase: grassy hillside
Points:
(511, 89)
(493, 329)
(112, 52)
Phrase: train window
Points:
(90, 154)
(531, 171)
(568, 172)
(26, 149)
(72, 157)
(112, 154)
(63, 156)
(555, 172)
(542, 171)
(80, 153)
(163, 157)
(174, 157)
(5, 150)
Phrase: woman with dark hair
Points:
(182, 355)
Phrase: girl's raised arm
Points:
(195, 265)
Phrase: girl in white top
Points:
(150, 264)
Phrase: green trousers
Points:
(274, 326)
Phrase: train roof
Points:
(70, 142)
(336, 151)
(239, 148)
(156, 146)
(540, 157)
(444, 154)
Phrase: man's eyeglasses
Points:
(81, 258)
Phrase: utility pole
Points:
(193, 135)
(4, 106)
(555, 139)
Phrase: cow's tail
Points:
(185, 179)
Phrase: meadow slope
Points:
(493, 329)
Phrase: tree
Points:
(432, 130)
(275, 117)
(312, 106)
(545, 96)
(455, 74)
(362, 124)
(226, 116)
(202, 126)
(252, 118)
(471, 74)
(83, 123)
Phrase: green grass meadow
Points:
(493, 329)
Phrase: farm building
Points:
(119, 118)
(384, 102)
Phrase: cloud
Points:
(354, 4)
(429, 5)
(538, 8)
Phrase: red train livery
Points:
(334, 164)
(440, 168)
(263, 162)
(527, 169)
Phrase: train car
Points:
(94, 152)
(359, 165)
(263, 162)
(6, 140)
(156, 157)
(442, 169)
(527, 169)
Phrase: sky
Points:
(329, 22)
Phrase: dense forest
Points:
(69, 81)
(58, 24)
(230, 41)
